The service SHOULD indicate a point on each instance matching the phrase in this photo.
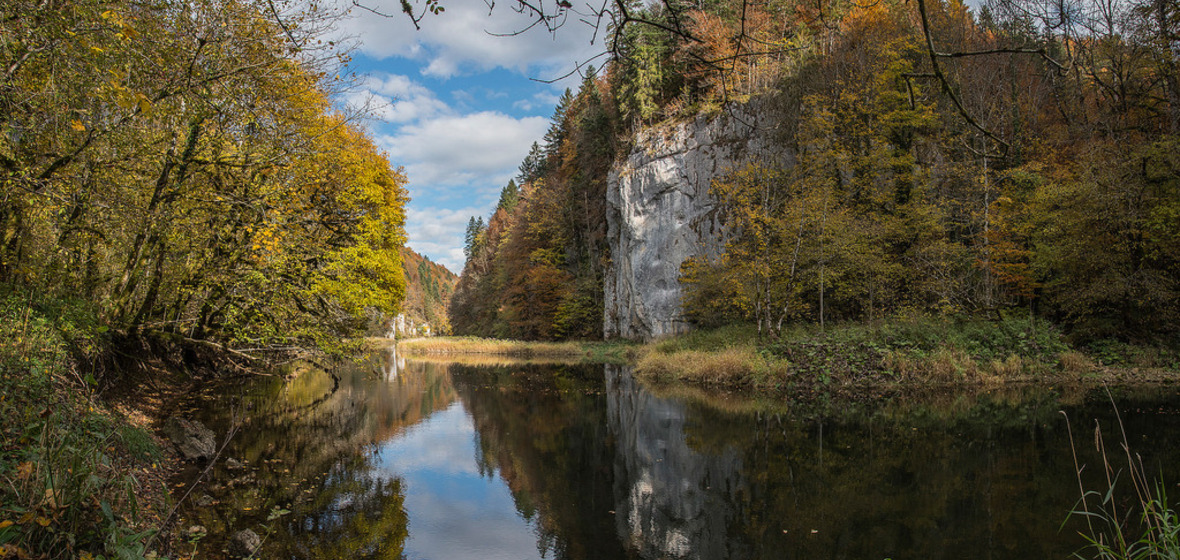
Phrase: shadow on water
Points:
(415, 459)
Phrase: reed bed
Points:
(590, 351)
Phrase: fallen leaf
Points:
(24, 470)
(51, 497)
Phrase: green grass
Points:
(66, 463)
(709, 340)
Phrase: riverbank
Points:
(83, 476)
(590, 351)
(920, 352)
(83, 473)
(912, 353)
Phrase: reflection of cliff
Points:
(609, 477)
(670, 497)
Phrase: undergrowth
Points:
(926, 349)
(66, 463)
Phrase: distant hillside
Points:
(429, 286)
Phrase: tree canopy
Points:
(182, 165)
(947, 161)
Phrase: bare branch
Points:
(279, 20)
(1043, 54)
(945, 82)
(407, 9)
(577, 70)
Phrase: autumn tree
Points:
(182, 164)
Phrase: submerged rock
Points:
(244, 543)
(191, 438)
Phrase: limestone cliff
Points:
(660, 212)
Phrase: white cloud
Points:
(454, 511)
(539, 99)
(396, 86)
(439, 233)
(451, 159)
(453, 150)
(440, 444)
(461, 39)
(454, 157)
(396, 99)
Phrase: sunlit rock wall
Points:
(670, 500)
(660, 212)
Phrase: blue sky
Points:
(456, 106)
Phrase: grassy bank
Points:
(78, 478)
(928, 350)
(588, 351)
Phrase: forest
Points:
(949, 161)
(180, 196)
(180, 167)
(429, 286)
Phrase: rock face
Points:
(192, 438)
(660, 212)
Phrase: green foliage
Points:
(69, 490)
(955, 193)
(179, 168)
(983, 340)
(429, 287)
(1106, 245)
(1110, 540)
(710, 340)
(1119, 353)
(1121, 524)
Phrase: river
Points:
(401, 458)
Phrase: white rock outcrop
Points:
(660, 212)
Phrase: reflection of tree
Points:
(609, 470)
(989, 478)
(544, 431)
(359, 515)
(307, 448)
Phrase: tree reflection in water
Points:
(435, 460)
(308, 448)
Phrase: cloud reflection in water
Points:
(454, 512)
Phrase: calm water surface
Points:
(425, 460)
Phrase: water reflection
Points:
(674, 501)
(413, 459)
